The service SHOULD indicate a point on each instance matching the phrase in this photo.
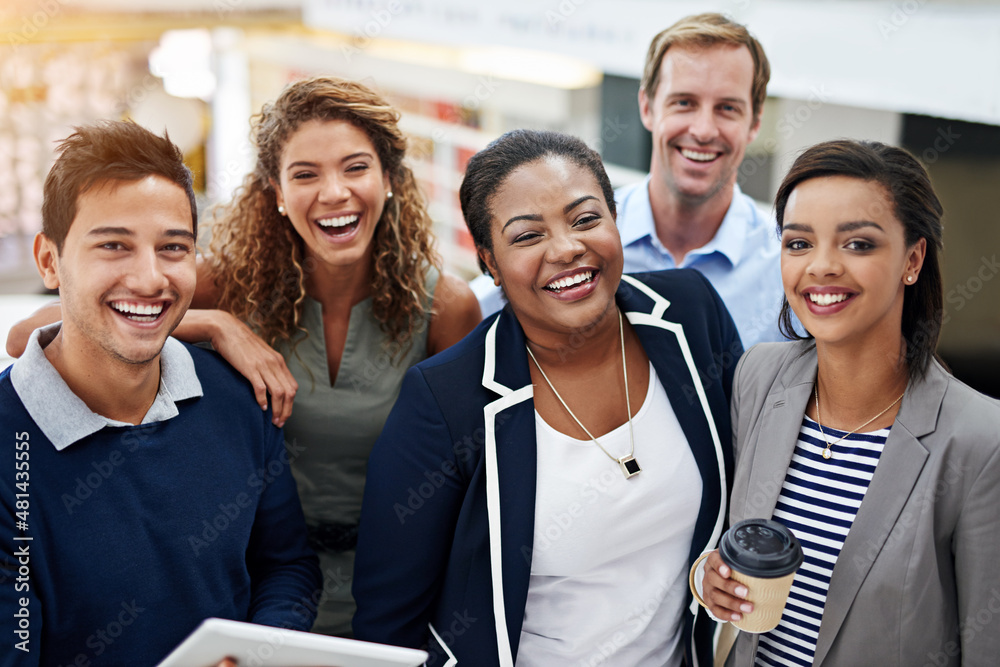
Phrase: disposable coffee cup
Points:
(764, 556)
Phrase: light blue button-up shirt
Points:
(742, 260)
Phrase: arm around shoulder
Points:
(17, 338)
(456, 312)
(245, 351)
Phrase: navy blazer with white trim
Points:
(448, 512)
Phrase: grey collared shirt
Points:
(63, 416)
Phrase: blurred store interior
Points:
(924, 74)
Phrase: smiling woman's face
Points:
(333, 189)
(844, 260)
(556, 250)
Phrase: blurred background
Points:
(923, 74)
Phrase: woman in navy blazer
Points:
(448, 535)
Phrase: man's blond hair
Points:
(703, 31)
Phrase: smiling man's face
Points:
(126, 271)
(701, 118)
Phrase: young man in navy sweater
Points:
(142, 489)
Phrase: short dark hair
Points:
(489, 168)
(914, 204)
(704, 31)
(103, 152)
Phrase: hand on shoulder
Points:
(17, 337)
(245, 351)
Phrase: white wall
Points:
(917, 56)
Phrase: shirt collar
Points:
(638, 224)
(731, 235)
(63, 416)
(728, 240)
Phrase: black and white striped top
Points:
(818, 502)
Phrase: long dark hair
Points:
(915, 206)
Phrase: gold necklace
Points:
(819, 421)
(628, 464)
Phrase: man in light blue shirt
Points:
(701, 97)
(741, 260)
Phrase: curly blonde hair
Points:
(259, 260)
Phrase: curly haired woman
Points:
(326, 253)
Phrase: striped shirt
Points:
(818, 503)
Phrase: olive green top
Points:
(333, 428)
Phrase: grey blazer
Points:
(918, 580)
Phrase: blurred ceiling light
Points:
(184, 61)
(547, 69)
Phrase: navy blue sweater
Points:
(133, 535)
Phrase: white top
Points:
(610, 558)
(819, 501)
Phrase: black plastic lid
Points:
(760, 548)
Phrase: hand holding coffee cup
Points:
(748, 578)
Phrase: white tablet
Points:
(263, 646)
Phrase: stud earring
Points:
(388, 195)
(909, 279)
(281, 209)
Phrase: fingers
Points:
(283, 388)
(260, 392)
(227, 662)
(726, 598)
(261, 365)
(271, 376)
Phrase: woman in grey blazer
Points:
(884, 465)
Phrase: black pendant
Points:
(630, 467)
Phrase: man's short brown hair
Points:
(703, 31)
(104, 152)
